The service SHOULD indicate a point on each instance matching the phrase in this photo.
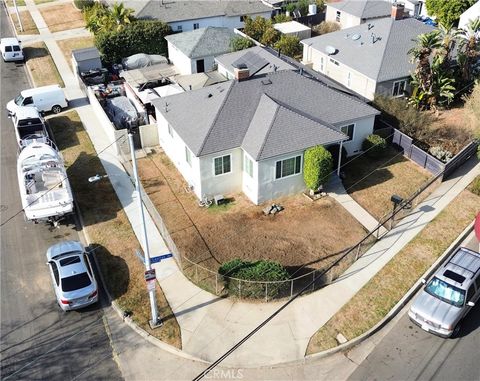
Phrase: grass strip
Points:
(389, 285)
(109, 229)
(41, 65)
(69, 44)
(29, 26)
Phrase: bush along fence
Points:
(265, 280)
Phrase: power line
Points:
(56, 184)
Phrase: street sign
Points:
(150, 275)
(160, 257)
(151, 285)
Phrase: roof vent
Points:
(266, 81)
(356, 37)
(330, 50)
(209, 95)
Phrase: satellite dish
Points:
(330, 49)
(356, 37)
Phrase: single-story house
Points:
(294, 28)
(470, 14)
(183, 16)
(258, 61)
(369, 58)
(355, 12)
(197, 81)
(194, 51)
(250, 135)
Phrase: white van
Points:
(11, 49)
(46, 98)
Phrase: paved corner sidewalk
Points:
(211, 325)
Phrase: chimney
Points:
(242, 74)
(397, 11)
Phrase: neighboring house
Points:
(355, 12)
(251, 135)
(183, 16)
(415, 8)
(369, 58)
(470, 14)
(294, 28)
(194, 52)
(257, 60)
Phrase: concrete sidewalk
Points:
(211, 325)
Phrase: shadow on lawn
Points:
(31, 52)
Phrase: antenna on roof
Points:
(369, 26)
(166, 106)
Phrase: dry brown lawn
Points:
(109, 229)
(66, 46)
(372, 181)
(306, 233)
(386, 288)
(62, 17)
(28, 24)
(41, 65)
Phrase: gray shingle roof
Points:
(226, 60)
(85, 54)
(203, 42)
(228, 115)
(364, 9)
(384, 60)
(172, 10)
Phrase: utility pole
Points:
(156, 321)
(18, 15)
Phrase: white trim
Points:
(169, 129)
(188, 156)
(221, 157)
(293, 174)
(401, 94)
(353, 133)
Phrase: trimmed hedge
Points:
(259, 271)
(82, 4)
(317, 167)
(374, 145)
(476, 186)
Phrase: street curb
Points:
(401, 303)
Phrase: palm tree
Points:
(426, 45)
(121, 15)
(469, 48)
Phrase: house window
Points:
(334, 62)
(196, 25)
(349, 79)
(348, 130)
(248, 165)
(399, 88)
(242, 18)
(179, 28)
(170, 131)
(337, 18)
(222, 165)
(188, 156)
(288, 167)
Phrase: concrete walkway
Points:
(211, 325)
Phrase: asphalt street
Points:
(409, 353)
(38, 340)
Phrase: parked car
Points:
(449, 295)
(11, 49)
(122, 112)
(45, 98)
(29, 125)
(72, 275)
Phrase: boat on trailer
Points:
(44, 187)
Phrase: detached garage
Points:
(86, 59)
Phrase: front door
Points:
(200, 66)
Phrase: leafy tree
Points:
(95, 16)
(239, 43)
(100, 18)
(302, 6)
(448, 12)
(137, 37)
(270, 36)
(256, 27)
(121, 15)
(281, 17)
(289, 45)
(317, 167)
(82, 4)
(291, 7)
(469, 48)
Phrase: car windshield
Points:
(446, 292)
(19, 100)
(16, 48)
(76, 282)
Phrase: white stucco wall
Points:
(358, 82)
(470, 14)
(226, 183)
(346, 20)
(174, 147)
(270, 188)
(363, 127)
(229, 22)
(180, 60)
(250, 183)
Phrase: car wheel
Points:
(456, 331)
(56, 109)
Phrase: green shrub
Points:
(239, 43)
(326, 27)
(138, 37)
(259, 271)
(289, 45)
(374, 145)
(317, 167)
(475, 188)
(82, 4)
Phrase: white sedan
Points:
(11, 49)
(72, 275)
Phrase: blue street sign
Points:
(160, 257)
